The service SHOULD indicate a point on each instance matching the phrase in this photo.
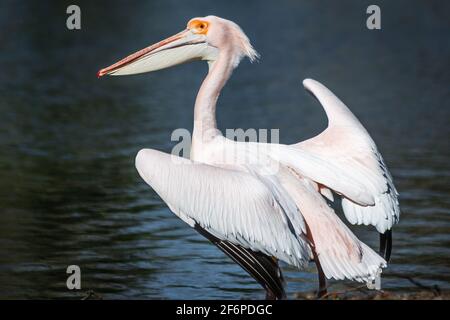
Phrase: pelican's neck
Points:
(205, 126)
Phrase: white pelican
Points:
(255, 214)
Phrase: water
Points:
(69, 192)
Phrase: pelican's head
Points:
(203, 39)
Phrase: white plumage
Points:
(262, 202)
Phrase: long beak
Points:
(182, 47)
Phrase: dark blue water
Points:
(69, 192)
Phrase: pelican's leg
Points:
(322, 279)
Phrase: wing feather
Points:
(340, 252)
(231, 205)
(348, 149)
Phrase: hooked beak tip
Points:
(100, 73)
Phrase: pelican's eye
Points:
(198, 26)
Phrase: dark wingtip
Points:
(386, 245)
(262, 268)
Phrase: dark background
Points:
(69, 192)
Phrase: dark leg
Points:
(322, 280)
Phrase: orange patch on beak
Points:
(198, 26)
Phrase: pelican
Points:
(269, 202)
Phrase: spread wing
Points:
(341, 254)
(348, 149)
(230, 205)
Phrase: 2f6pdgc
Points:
(246, 309)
